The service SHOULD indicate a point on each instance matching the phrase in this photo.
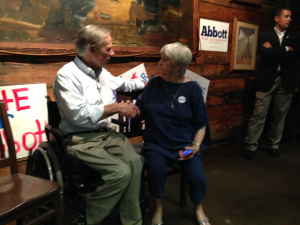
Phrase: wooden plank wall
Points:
(230, 95)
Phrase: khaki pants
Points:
(281, 104)
(112, 155)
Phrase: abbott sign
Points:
(213, 35)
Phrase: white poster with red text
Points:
(27, 111)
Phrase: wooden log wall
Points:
(230, 95)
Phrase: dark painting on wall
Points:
(248, 2)
(133, 23)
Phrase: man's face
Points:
(103, 54)
(283, 21)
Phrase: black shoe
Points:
(248, 154)
(273, 152)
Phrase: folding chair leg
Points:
(183, 191)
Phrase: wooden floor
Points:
(261, 191)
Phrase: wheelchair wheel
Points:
(40, 165)
(55, 162)
(43, 163)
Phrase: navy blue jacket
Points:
(271, 57)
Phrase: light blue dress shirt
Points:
(81, 94)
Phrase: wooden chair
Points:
(132, 129)
(24, 198)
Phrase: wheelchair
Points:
(50, 161)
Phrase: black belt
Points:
(99, 130)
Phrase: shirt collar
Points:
(87, 70)
(279, 33)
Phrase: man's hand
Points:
(267, 45)
(128, 109)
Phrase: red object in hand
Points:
(187, 153)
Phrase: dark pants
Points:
(281, 105)
(112, 155)
(157, 173)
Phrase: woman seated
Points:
(176, 120)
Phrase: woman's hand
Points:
(194, 148)
(197, 140)
(128, 109)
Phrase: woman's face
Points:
(166, 68)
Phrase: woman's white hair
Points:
(90, 35)
(179, 54)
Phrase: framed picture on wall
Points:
(248, 2)
(244, 45)
(49, 27)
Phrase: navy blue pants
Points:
(157, 173)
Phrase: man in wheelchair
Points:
(83, 90)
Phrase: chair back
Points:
(72, 167)
(8, 159)
(24, 199)
(53, 113)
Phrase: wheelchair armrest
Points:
(55, 131)
(119, 122)
(54, 134)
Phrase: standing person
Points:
(83, 90)
(275, 81)
(176, 119)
